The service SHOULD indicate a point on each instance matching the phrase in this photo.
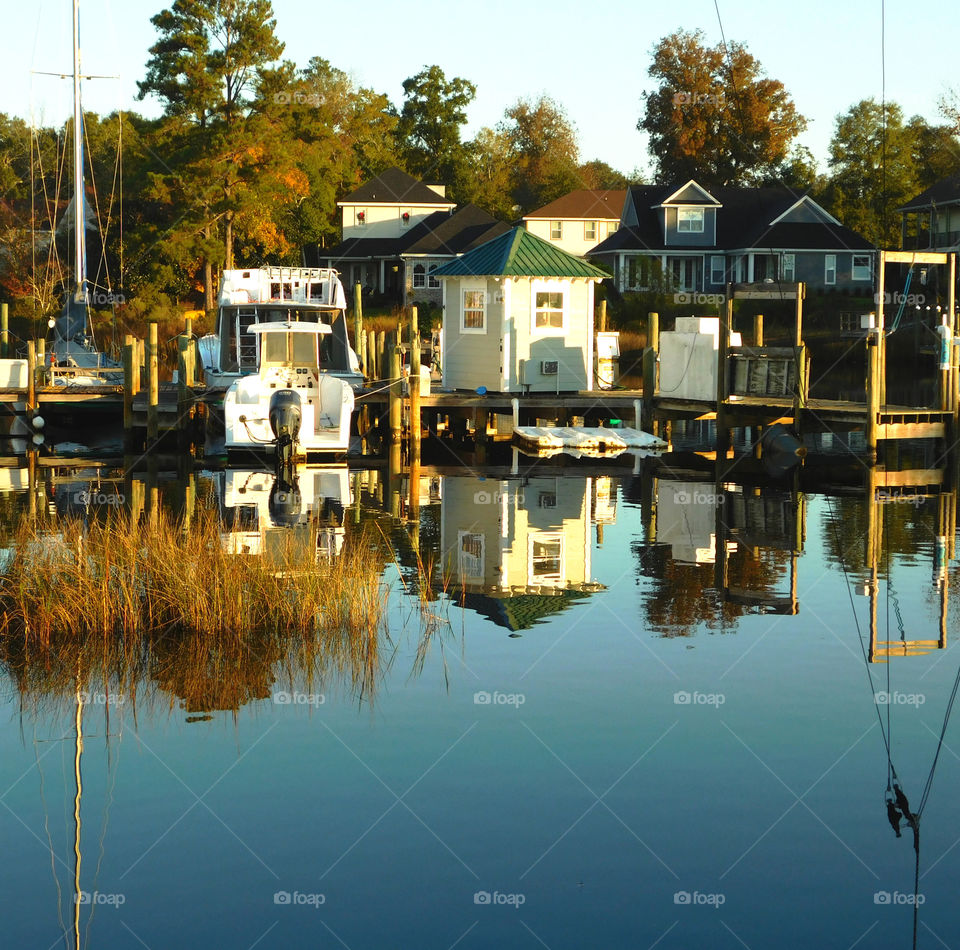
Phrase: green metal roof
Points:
(518, 253)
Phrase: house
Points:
(931, 220)
(580, 220)
(396, 230)
(689, 239)
(518, 317)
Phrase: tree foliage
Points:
(715, 116)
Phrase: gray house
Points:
(690, 239)
(931, 220)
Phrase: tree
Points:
(491, 174)
(715, 116)
(597, 174)
(872, 170)
(212, 61)
(544, 151)
(936, 151)
(428, 131)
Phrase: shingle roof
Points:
(395, 186)
(583, 203)
(518, 253)
(945, 191)
(455, 233)
(743, 221)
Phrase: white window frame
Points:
(860, 271)
(612, 227)
(549, 287)
(788, 267)
(588, 227)
(544, 537)
(433, 283)
(714, 258)
(422, 275)
(473, 289)
(556, 230)
(474, 560)
(829, 269)
(690, 217)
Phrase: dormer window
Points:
(690, 220)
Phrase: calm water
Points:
(642, 714)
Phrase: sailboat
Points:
(73, 343)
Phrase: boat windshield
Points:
(295, 348)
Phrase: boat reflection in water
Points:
(261, 511)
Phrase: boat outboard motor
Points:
(285, 419)
(285, 502)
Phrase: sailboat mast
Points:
(79, 261)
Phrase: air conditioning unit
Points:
(549, 367)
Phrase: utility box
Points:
(688, 358)
(608, 359)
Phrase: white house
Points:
(518, 317)
(579, 221)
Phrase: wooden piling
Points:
(42, 360)
(31, 375)
(414, 386)
(758, 329)
(4, 330)
(359, 340)
(370, 348)
(726, 321)
(153, 400)
(130, 382)
(874, 338)
(603, 316)
(395, 409)
(650, 372)
(185, 369)
(383, 368)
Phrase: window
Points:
(470, 555)
(474, 311)
(717, 268)
(589, 230)
(829, 268)
(433, 282)
(861, 267)
(546, 558)
(556, 230)
(612, 227)
(419, 275)
(549, 310)
(788, 267)
(690, 220)
(641, 272)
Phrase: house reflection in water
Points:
(520, 550)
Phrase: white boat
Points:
(292, 406)
(254, 296)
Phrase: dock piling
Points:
(414, 382)
(153, 401)
(4, 330)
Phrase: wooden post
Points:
(414, 386)
(188, 326)
(874, 338)
(383, 368)
(42, 361)
(184, 380)
(723, 344)
(396, 397)
(153, 402)
(4, 330)
(129, 358)
(373, 371)
(359, 340)
(650, 373)
(31, 375)
(603, 316)
(758, 330)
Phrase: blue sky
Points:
(593, 60)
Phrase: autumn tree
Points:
(491, 174)
(936, 151)
(715, 116)
(213, 69)
(429, 129)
